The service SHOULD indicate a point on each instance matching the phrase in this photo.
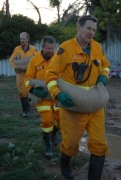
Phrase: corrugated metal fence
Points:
(112, 50)
(5, 68)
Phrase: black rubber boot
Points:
(25, 106)
(55, 141)
(65, 167)
(95, 167)
(48, 145)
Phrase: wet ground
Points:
(113, 111)
(112, 168)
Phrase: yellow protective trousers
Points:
(23, 92)
(73, 124)
(49, 115)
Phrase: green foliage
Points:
(109, 25)
(55, 3)
(109, 21)
(68, 32)
(11, 27)
(63, 33)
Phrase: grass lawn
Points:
(21, 143)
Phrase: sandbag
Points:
(23, 62)
(34, 99)
(86, 101)
(40, 83)
(17, 70)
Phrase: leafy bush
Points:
(11, 27)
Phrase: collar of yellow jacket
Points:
(27, 48)
(39, 58)
(94, 46)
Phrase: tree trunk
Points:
(7, 9)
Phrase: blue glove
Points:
(42, 93)
(103, 79)
(65, 99)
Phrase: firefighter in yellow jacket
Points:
(22, 52)
(49, 114)
(82, 62)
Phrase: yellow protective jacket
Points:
(19, 53)
(36, 69)
(73, 124)
(48, 112)
(69, 52)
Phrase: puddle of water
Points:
(114, 142)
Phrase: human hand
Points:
(22, 67)
(65, 99)
(39, 92)
(103, 79)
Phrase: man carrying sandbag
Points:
(19, 61)
(49, 114)
(81, 62)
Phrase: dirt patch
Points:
(113, 109)
(111, 171)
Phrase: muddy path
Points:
(113, 109)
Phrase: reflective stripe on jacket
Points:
(70, 52)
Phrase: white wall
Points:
(5, 68)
